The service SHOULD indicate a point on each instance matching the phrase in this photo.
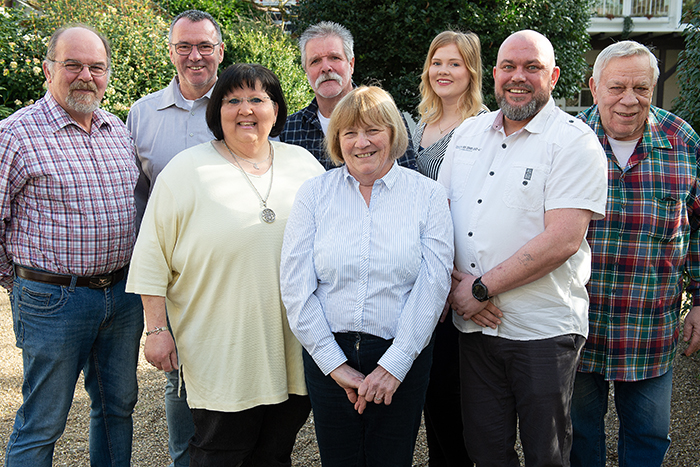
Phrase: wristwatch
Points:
(479, 290)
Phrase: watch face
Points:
(480, 292)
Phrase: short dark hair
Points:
(195, 16)
(239, 76)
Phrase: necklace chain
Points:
(448, 127)
(267, 214)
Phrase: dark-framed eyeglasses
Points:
(254, 101)
(76, 67)
(204, 48)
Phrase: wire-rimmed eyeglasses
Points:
(74, 66)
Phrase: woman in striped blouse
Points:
(451, 92)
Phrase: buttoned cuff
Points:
(396, 362)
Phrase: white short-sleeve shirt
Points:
(500, 187)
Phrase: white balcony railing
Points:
(634, 8)
(660, 16)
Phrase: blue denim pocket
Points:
(38, 298)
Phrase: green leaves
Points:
(687, 105)
(392, 37)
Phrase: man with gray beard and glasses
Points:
(523, 184)
(67, 177)
(329, 60)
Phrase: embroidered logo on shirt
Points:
(467, 148)
(528, 174)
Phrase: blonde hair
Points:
(471, 102)
(366, 105)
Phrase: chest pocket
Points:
(461, 169)
(524, 187)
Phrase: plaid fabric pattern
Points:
(67, 196)
(639, 251)
(304, 129)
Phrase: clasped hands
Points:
(378, 387)
(469, 308)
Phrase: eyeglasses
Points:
(74, 66)
(254, 101)
(205, 48)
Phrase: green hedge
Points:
(138, 31)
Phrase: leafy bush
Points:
(251, 37)
(137, 30)
(264, 43)
(140, 62)
(392, 37)
(687, 104)
(22, 49)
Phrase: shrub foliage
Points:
(392, 37)
(687, 105)
(137, 30)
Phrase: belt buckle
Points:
(100, 282)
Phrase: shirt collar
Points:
(173, 97)
(59, 118)
(538, 124)
(389, 179)
(653, 136)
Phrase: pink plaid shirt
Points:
(67, 196)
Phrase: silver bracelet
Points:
(157, 330)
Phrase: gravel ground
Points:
(150, 432)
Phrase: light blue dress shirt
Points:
(382, 270)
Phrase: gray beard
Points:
(82, 106)
(520, 113)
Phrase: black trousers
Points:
(259, 437)
(443, 404)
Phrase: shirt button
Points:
(191, 134)
(524, 182)
(473, 265)
(492, 173)
(470, 234)
(504, 145)
(478, 201)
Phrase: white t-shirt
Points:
(324, 122)
(500, 187)
(622, 150)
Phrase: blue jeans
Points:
(63, 331)
(643, 408)
(179, 418)
(384, 435)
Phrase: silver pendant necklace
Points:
(267, 215)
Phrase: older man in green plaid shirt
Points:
(640, 251)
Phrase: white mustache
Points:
(331, 75)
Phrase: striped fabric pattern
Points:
(382, 270)
(648, 238)
(430, 159)
(67, 196)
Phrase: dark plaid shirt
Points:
(648, 238)
(304, 129)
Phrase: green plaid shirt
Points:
(648, 238)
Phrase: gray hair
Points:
(195, 16)
(620, 50)
(53, 41)
(327, 29)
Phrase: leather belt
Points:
(94, 282)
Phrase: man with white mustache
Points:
(68, 172)
(523, 184)
(329, 60)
